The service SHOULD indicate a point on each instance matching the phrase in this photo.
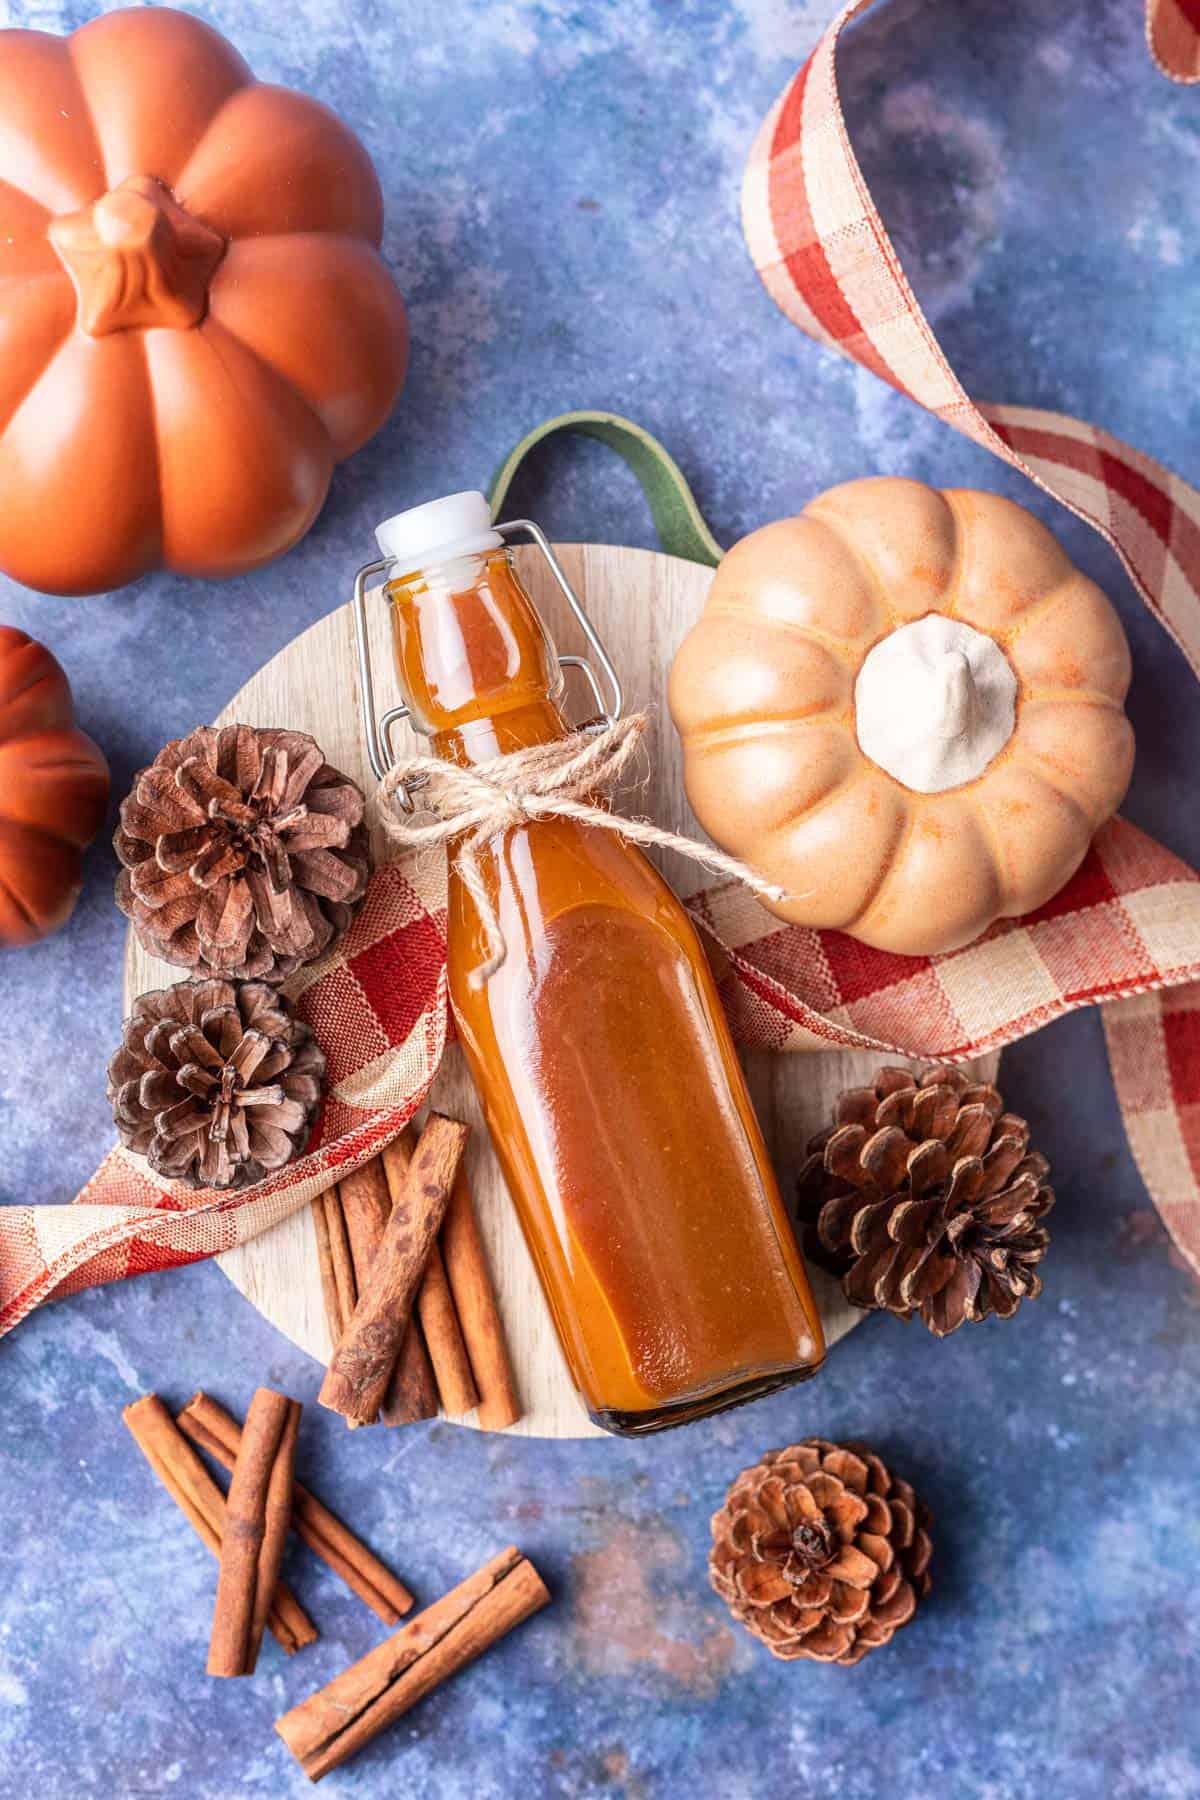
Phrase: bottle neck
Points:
(475, 662)
(485, 739)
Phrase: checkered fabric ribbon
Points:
(1173, 34)
(1127, 925)
(378, 1008)
(1125, 933)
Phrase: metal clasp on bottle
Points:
(380, 751)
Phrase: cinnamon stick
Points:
(478, 1314)
(333, 1257)
(367, 1204)
(444, 1339)
(435, 1303)
(411, 1391)
(202, 1504)
(257, 1512)
(340, 1718)
(329, 1293)
(360, 1369)
(206, 1422)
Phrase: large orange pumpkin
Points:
(53, 789)
(195, 321)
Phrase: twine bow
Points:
(558, 780)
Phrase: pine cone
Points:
(820, 1552)
(243, 852)
(926, 1198)
(215, 1082)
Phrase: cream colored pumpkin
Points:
(999, 726)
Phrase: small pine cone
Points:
(215, 1083)
(821, 1552)
(925, 1197)
(243, 853)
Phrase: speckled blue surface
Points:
(562, 187)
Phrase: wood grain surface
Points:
(642, 603)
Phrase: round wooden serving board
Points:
(642, 603)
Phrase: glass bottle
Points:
(608, 1078)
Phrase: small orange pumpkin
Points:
(196, 320)
(53, 790)
(905, 707)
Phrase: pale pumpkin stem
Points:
(954, 705)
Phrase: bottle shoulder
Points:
(554, 871)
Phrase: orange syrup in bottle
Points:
(608, 1077)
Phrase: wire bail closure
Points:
(378, 731)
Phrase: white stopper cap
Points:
(459, 525)
(934, 702)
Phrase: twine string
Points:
(559, 780)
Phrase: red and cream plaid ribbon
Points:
(378, 1008)
(1128, 924)
(1173, 34)
(1124, 934)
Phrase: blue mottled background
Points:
(562, 186)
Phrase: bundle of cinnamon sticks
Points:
(245, 1529)
(408, 1294)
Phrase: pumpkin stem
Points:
(953, 704)
(137, 259)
